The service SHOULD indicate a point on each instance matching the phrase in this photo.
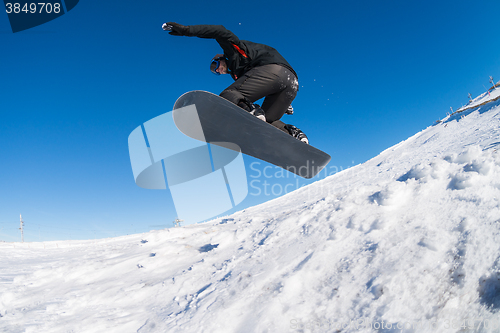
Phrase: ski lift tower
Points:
(177, 222)
(21, 227)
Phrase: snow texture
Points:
(406, 242)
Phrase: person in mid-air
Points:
(258, 70)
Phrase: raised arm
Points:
(226, 39)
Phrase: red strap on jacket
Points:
(240, 51)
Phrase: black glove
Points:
(177, 29)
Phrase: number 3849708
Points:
(33, 8)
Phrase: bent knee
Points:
(235, 97)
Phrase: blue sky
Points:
(371, 74)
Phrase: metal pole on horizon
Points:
(494, 85)
(22, 227)
(177, 222)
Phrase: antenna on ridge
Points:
(177, 222)
(22, 227)
(494, 85)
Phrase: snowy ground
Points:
(487, 97)
(407, 242)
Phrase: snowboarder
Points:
(258, 70)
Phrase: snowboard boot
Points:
(254, 109)
(258, 112)
(297, 133)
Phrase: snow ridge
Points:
(406, 242)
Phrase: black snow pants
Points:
(276, 83)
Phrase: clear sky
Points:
(371, 74)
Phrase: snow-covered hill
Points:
(408, 241)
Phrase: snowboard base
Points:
(225, 124)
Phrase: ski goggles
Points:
(214, 66)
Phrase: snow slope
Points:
(491, 95)
(406, 242)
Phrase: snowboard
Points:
(226, 124)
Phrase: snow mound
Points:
(406, 242)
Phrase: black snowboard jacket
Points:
(241, 55)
